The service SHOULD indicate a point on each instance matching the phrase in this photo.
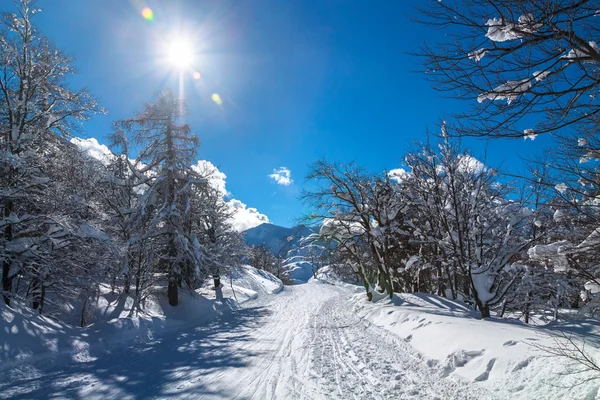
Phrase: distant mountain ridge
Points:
(293, 244)
(276, 237)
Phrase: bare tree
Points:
(469, 219)
(362, 213)
(526, 67)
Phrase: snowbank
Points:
(502, 356)
(27, 336)
(248, 283)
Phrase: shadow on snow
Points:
(172, 365)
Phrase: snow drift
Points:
(28, 336)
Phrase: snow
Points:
(500, 30)
(498, 355)
(247, 283)
(477, 55)
(540, 75)
(471, 165)
(575, 54)
(34, 337)
(483, 281)
(559, 215)
(411, 261)
(318, 340)
(591, 242)
(508, 91)
(334, 228)
(556, 252)
(303, 343)
(561, 187)
(529, 134)
(592, 286)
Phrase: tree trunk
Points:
(484, 309)
(7, 279)
(365, 283)
(36, 292)
(83, 318)
(126, 284)
(42, 298)
(172, 291)
(6, 282)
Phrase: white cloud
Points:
(399, 175)
(215, 178)
(282, 176)
(93, 149)
(245, 217)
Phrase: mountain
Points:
(276, 237)
(294, 244)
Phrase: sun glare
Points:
(180, 54)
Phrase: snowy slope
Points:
(25, 335)
(499, 355)
(247, 283)
(300, 258)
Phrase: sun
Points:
(180, 54)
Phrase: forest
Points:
(505, 242)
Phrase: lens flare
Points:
(217, 99)
(148, 14)
(196, 75)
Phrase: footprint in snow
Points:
(522, 364)
(486, 374)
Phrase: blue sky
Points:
(299, 81)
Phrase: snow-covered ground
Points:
(25, 336)
(247, 283)
(505, 357)
(317, 340)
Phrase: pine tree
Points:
(168, 149)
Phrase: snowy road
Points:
(304, 343)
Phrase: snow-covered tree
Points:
(168, 149)
(474, 225)
(360, 212)
(36, 109)
(224, 248)
(261, 257)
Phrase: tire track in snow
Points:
(354, 359)
(304, 343)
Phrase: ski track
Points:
(305, 343)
